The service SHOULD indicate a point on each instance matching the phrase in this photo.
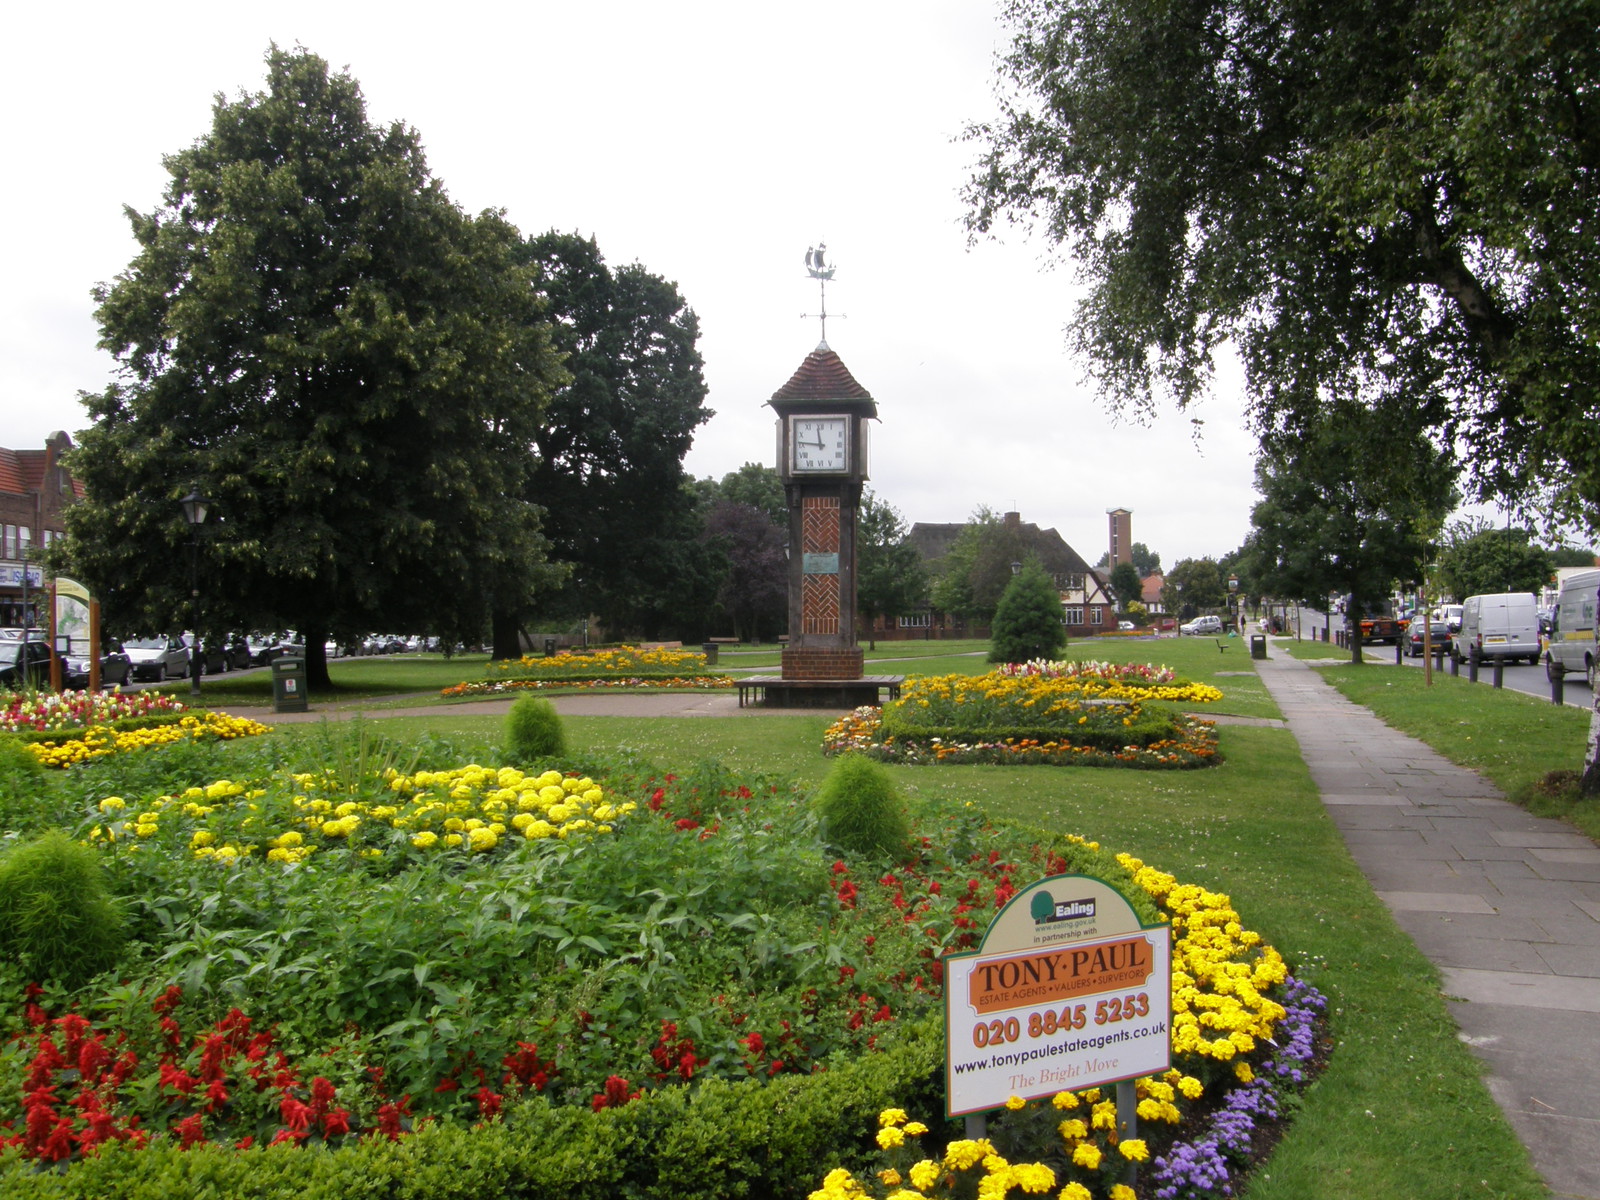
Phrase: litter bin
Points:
(709, 649)
(1258, 646)
(549, 647)
(288, 683)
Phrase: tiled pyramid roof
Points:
(11, 474)
(823, 376)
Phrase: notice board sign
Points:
(1067, 990)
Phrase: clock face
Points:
(821, 443)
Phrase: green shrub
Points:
(533, 731)
(57, 916)
(861, 811)
(1027, 622)
(22, 781)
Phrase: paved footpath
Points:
(1505, 904)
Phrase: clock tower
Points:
(823, 416)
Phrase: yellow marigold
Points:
(1066, 1101)
(889, 1177)
(891, 1136)
(1134, 1149)
(1015, 1103)
(925, 1174)
(1075, 1191)
(1121, 1191)
(1073, 1130)
(425, 839)
(964, 1153)
(1086, 1155)
(915, 1128)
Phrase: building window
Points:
(918, 621)
(1074, 614)
(1094, 615)
(11, 541)
(1074, 583)
(25, 539)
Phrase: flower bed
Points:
(1056, 713)
(47, 712)
(601, 664)
(690, 936)
(1193, 743)
(622, 667)
(510, 687)
(101, 740)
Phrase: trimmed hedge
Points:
(1150, 726)
(717, 1141)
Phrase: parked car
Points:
(232, 654)
(1202, 627)
(1125, 626)
(24, 664)
(116, 668)
(158, 658)
(1438, 636)
(1499, 625)
(1450, 614)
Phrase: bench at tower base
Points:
(774, 691)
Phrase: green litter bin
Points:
(288, 683)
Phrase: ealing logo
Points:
(1046, 909)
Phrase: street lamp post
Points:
(194, 511)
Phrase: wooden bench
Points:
(774, 691)
(1221, 645)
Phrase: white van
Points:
(1504, 625)
(1571, 646)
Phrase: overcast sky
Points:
(711, 142)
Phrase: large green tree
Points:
(1343, 511)
(610, 471)
(890, 578)
(1392, 202)
(1477, 558)
(348, 367)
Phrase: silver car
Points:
(158, 658)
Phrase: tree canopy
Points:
(1477, 559)
(1392, 203)
(890, 578)
(347, 366)
(611, 447)
(1346, 511)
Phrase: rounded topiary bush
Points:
(534, 731)
(1027, 621)
(58, 918)
(861, 811)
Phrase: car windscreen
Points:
(146, 644)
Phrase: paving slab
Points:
(1505, 904)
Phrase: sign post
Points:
(1067, 990)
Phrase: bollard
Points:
(1399, 653)
(1438, 658)
(1558, 688)
(1472, 669)
(1499, 671)
(1455, 665)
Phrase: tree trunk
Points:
(1352, 628)
(505, 636)
(1589, 785)
(317, 679)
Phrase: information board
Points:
(1067, 990)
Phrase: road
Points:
(1519, 677)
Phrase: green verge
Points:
(1401, 1109)
(1514, 739)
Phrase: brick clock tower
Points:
(823, 416)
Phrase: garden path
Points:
(1505, 904)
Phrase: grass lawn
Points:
(1512, 738)
(1401, 1109)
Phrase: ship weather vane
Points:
(818, 267)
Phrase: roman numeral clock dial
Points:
(821, 444)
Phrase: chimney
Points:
(1013, 520)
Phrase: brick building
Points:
(1086, 604)
(35, 491)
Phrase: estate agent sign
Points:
(1066, 991)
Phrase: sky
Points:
(713, 143)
